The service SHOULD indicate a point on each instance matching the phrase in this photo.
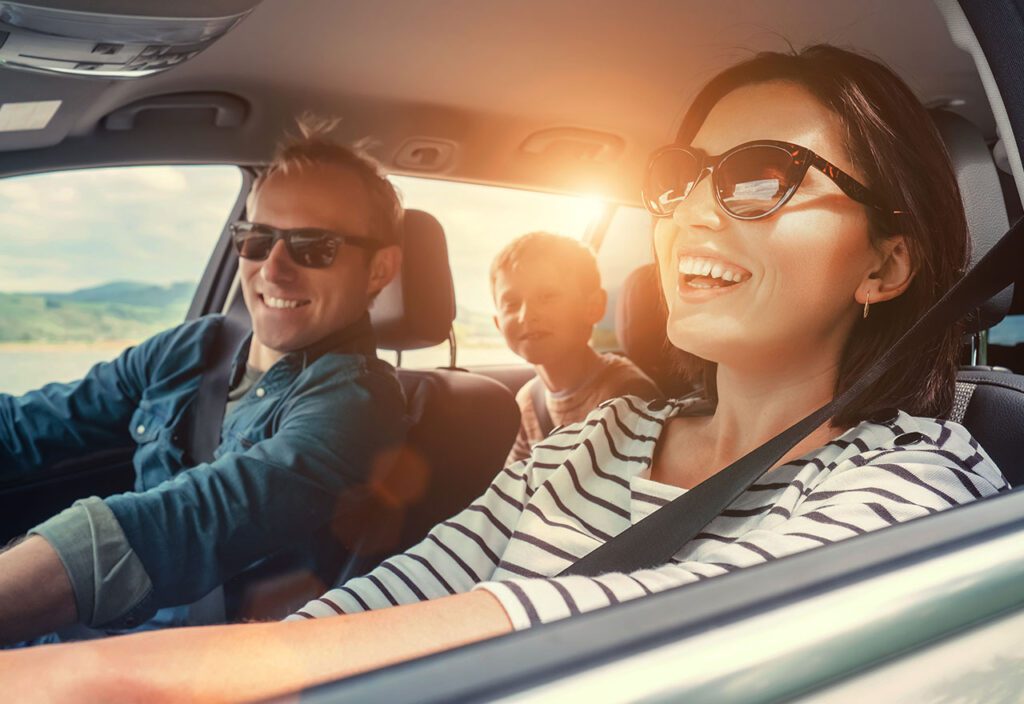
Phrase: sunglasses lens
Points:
(752, 181)
(312, 248)
(250, 243)
(670, 178)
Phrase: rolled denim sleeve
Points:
(197, 530)
(106, 575)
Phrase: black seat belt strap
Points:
(654, 540)
(539, 398)
(207, 420)
(212, 396)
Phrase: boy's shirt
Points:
(617, 376)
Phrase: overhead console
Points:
(112, 38)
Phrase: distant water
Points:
(26, 367)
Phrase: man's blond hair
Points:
(315, 147)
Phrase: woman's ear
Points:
(892, 276)
(384, 266)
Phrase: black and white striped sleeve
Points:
(455, 555)
(867, 492)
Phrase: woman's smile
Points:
(702, 276)
(709, 273)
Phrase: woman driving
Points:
(806, 215)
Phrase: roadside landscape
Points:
(115, 311)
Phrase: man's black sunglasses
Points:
(750, 181)
(308, 246)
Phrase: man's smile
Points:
(282, 303)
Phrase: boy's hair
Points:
(315, 147)
(576, 257)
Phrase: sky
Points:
(70, 230)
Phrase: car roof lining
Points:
(484, 76)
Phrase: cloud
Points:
(154, 224)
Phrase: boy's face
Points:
(542, 312)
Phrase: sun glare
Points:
(588, 208)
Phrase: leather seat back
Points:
(640, 318)
(989, 401)
(462, 425)
(990, 404)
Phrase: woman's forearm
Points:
(251, 661)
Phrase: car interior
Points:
(566, 97)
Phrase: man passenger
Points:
(310, 411)
(548, 295)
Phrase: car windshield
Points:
(252, 444)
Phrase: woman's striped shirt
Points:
(588, 482)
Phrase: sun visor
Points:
(111, 38)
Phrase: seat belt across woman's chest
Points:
(654, 540)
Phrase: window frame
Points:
(582, 646)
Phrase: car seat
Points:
(640, 316)
(989, 400)
(461, 424)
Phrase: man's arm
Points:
(63, 421)
(193, 532)
(37, 595)
(249, 661)
(177, 541)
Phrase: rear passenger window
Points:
(1009, 332)
(100, 259)
(478, 221)
(1006, 344)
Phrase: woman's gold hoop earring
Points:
(867, 304)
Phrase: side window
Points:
(1009, 332)
(478, 221)
(1006, 344)
(99, 259)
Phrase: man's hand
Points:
(35, 592)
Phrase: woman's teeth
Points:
(713, 272)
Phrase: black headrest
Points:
(640, 318)
(983, 200)
(416, 310)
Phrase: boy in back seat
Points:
(548, 295)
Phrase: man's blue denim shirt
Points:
(310, 430)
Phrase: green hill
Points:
(121, 310)
(131, 293)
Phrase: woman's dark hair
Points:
(891, 139)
